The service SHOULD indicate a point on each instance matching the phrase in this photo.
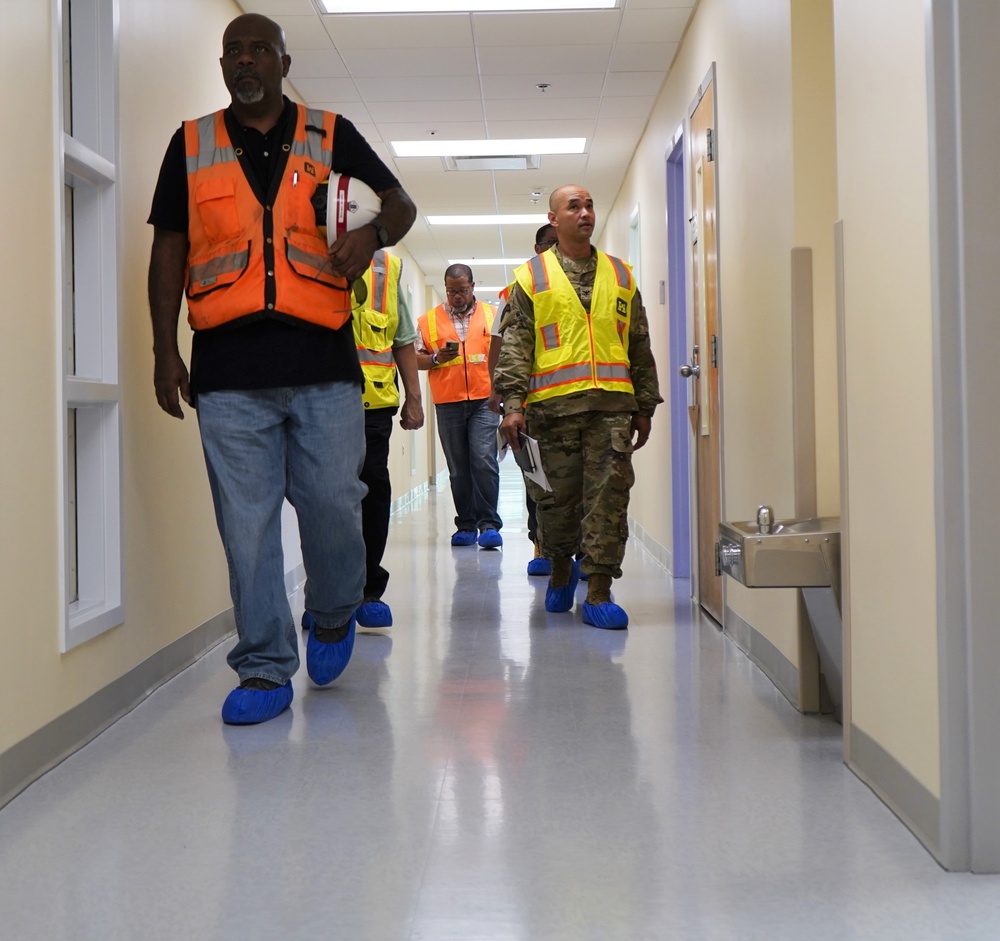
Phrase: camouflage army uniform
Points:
(585, 438)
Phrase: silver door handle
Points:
(687, 371)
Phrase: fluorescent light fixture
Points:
(474, 263)
(534, 218)
(462, 6)
(489, 148)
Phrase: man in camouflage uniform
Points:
(577, 372)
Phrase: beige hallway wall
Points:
(884, 204)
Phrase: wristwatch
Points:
(381, 233)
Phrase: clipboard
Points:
(529, 459)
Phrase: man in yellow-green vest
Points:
(384, 333)
(577, 373)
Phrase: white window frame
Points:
(90, 447)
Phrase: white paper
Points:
(528, 458)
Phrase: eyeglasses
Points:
(458, 291)
(548, 243)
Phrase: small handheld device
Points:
(451, 345)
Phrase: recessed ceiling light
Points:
(488, 148)
(461, 6)
(533, 218)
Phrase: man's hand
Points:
(411, 416)
(444, 354)
(512, 426)
(495, 403)
(170, 376)
(641, 426)
(352, 253)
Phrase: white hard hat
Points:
(350, 204)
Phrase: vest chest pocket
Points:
(374, 329)
(216, 201)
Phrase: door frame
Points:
(679, 344)
(710, 81)
(965, 206)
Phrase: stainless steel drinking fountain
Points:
(803, 554)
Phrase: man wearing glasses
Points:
(454, 346)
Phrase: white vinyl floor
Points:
(484, 771)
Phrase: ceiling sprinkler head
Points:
(543, 87)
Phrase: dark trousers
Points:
(377, 505)
(532, 517)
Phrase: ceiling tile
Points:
(513, 109)
(326, 89)
(400, 32)
(409, 63)
(276, 8)
(548, 61)
(663, 25)
(643, 56)
(445, 130)
(502, 130)
(577, 85)
(431, 89)
(630, 84)
(545, 29)
(304, 32)
(317, 63)
(400, 111)
(637, 107)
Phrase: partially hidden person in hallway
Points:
(577, 373)
(385, 333)
(454, 346)
(275, 378)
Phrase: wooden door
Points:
(703, 368)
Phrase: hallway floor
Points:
(484, 770)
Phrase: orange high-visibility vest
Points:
(467, 376)
(246, 258)
(576, 351)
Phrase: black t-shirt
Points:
(267, 353)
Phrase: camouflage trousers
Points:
(587, 459)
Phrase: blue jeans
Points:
(305, 443)
(468, 432)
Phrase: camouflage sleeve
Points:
(641, 362)
(518, 353)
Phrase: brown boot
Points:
(599, 588)
(562, 569)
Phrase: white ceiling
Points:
(454, 76)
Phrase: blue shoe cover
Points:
(561, 599)
(250, 706)
(325, 662)
(539, 567)
(490, 539)
(608, 616)
(374, 614)
(463, 537)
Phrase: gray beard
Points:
(249, 96)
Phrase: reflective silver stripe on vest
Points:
(559, 376)
(621, 271)
(378, 280)
(208, 154)
(538, 274)
(615, 372)
(204, 275)
(312, 259)
(312, 146)
(550, 336)
(371, 358)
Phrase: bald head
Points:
(254, 63)
(259, 25)
(571, 211)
